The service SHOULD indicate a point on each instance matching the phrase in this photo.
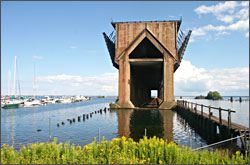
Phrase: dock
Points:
(228, 129)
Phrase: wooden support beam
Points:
(146, 60)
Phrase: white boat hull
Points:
(66, 101)
(32, 103)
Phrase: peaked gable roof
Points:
(145, 33)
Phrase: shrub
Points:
(117, 151)
(214, 95)
(200, 97)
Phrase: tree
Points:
(200, 97)
(213, 95)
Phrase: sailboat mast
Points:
(9, 84)
(34, 80)
(14, 78)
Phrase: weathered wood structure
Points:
(147, 54)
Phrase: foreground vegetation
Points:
(211, 96)
(117, 151)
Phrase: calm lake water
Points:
(21, 125)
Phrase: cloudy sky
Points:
(64, 41)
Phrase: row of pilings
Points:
(207, 128)
(84, 116)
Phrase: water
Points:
(21, 125)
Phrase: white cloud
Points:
(59, 78)
(219, 8)
(172, 16)
(225, 11)
(73, 47)
(190, 80)
(222, 33)
(243, 14)
(37, 57)
(91, 51)
(226, 18)
(234, 14)
(245, 3)
(240, 25)
(105, 84)
(75, 84)
(247, 34)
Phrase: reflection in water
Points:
(132, 123)
(167, 116)
(124, 122)
(12, 126)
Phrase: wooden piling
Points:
(209, 111)
(74, 119)
(231, 99)
(220, 119)
(229, 119)
(201, 109)
(70, 121)
(79, 118)
(63, 122)
(87, 116)
(58, 124)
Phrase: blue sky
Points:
(64, 40)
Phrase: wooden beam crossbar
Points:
(146, 60)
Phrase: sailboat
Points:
(11, 103)
(33, 101)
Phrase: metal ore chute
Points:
(110, 42)
(182, 44)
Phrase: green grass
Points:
(117, 151)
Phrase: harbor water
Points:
(31, 124)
